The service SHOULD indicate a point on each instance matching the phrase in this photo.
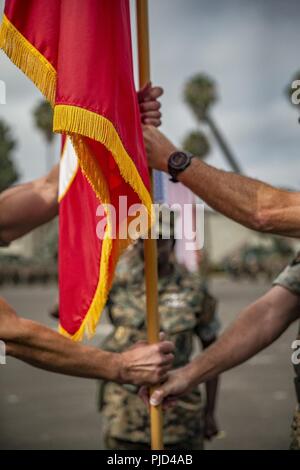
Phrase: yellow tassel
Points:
(25, 56)
(76, 120)
(92, 317)
(79, 122)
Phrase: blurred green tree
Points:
(200, 94)
(43, 119)
(8, 171)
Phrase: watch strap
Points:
(174, 172)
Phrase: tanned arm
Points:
(254, 204)
(27, 206)
(257, 327)
(46, 349)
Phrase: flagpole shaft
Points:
(150, 245)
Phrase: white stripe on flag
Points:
(68, 168)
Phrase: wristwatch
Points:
(178, 162)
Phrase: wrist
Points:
(189, 376)
(123, 368)
(189, 170)
(116, 367)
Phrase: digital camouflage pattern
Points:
(295, 442)
(187, 312)
(290, 278)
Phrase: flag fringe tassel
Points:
(28, 59)
(77, 120)
(92, 317)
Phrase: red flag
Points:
(79, 55)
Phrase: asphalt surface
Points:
(41, 410)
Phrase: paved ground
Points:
(40, 410)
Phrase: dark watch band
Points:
(177, 163)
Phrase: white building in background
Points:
(223, 236)
(31, 244)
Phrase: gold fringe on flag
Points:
(100, 296)
(77, 122)
(93, 314)
(28, 59)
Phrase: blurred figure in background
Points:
(188, 313)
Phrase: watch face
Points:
(178, 160)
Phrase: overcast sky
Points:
(251, 49)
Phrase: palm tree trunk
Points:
(224, 146)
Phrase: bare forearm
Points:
(44, 348)
(249, 202)
(26, 206)
(255, 329)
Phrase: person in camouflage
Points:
(290, 279)
(187, 311)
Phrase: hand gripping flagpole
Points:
(150, 245)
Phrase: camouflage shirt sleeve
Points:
(290, 276)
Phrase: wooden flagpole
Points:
(150, 245)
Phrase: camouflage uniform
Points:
(186, 311)
(290, 278)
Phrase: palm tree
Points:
(46, 236)
(8, 172)
(196, 143)
(200, 94)
(43, 118)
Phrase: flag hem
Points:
(28, 59)
(93, 314)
